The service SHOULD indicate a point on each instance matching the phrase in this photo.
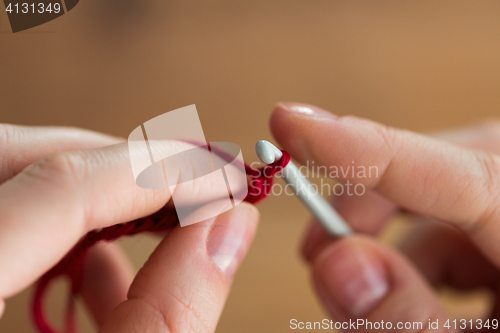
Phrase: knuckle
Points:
(176, 319)
(64, 164)
(381, 144)
(490, 164)
(4, 145)
(4, 135)
(65, 168)
(391, 142)
(7, 133)
(189, 318)
(389, 136)
(156, 320)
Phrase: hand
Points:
(57, 184)
(456, 183)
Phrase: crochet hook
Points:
(324, 212)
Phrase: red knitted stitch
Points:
(259, 187)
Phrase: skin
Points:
(86, 175)
(59, 183)
(453, 178)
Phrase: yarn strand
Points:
(260, 182)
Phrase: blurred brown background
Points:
(110, 65)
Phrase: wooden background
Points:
(111, 65)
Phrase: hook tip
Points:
(267, 152)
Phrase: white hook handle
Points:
(324, 212)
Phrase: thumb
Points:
(361, 280)
(184, 284)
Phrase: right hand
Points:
(358, 277)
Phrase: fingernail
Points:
(305, 109)
(230, 237)
(353, 279)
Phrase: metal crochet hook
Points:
(324, 212)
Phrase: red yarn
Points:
(71, 265)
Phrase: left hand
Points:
(56, 184)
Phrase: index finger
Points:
(46, 208)
(23, 145)
(424, 175)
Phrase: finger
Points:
(360, 279)
(370, 212)
(365, 214)
(184, 284)
(55, 201)
(442, 254)
(421, 174)
(23, 145)
(484, 136)
(445, 256)
(107, 277)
